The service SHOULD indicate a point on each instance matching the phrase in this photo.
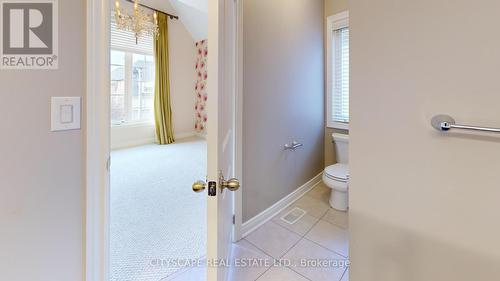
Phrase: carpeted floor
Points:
(154, 213)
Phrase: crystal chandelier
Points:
(139, 22)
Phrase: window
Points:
(132, 69)
(132, 87)
(338, 71)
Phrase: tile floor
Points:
(322, 235)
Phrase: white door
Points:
(221, 133)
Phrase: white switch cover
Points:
(65, 113)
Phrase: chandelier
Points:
(140, 22)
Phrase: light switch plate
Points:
(65, 113)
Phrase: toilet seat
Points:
(338, 172)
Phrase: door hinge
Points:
(234, 219)
(108, 164)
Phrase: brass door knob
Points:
(199, 186)
(231, 184)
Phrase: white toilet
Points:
(336, 176)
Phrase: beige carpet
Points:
(155, 216)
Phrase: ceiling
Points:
(192, 13)
(194, 16)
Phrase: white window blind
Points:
(125, 40)
(340, 87)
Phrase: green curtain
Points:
(163, 110)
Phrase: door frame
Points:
(97, 138)
(238, 197)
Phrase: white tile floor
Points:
(322, 235)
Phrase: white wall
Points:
(132, 135)
(182, 80)
(41, 173)
(182, 77)
(424, 206)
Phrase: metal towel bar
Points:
(444, 123)
(293, 146)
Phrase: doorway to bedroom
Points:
(158, 116)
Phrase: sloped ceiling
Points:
(201, 5)
(192, 13)
(194, 16)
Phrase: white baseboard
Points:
(144, 141)
(201, 134)
(184, 135)
(266, 215)
(133, 143)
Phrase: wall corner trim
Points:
(266, 215)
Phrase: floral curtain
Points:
(201, 86)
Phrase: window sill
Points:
(338, 125)
(133, 125)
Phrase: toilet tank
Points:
(341, 145)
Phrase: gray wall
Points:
(283, 99)
(41, 173)
(424, 206)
